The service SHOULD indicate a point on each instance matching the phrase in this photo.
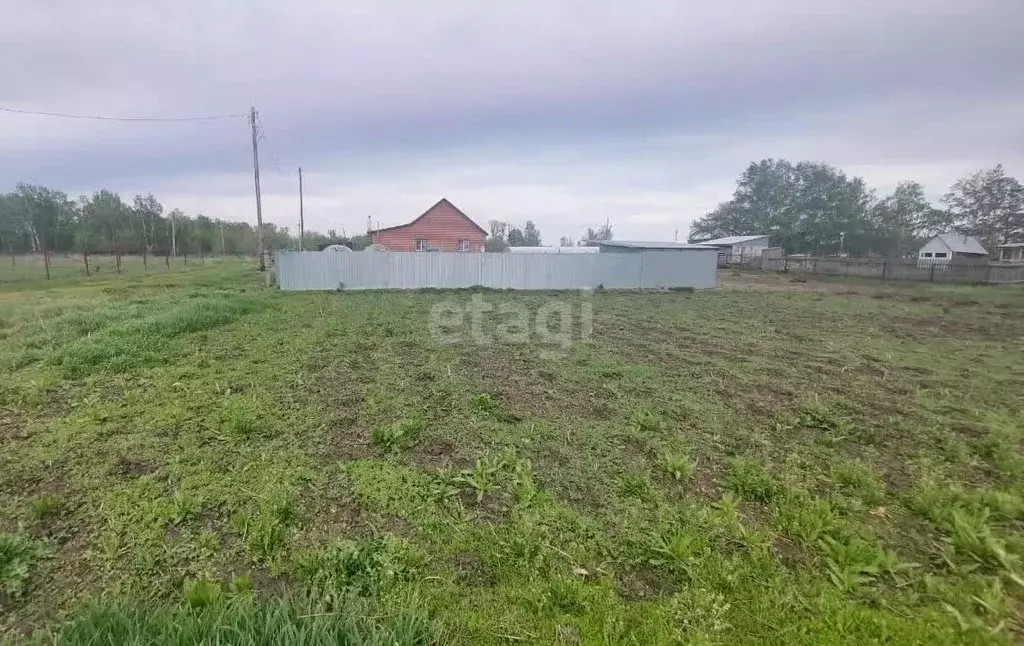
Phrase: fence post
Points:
(785, 264)
(988, 273)
(814, 267)
(884, 268)
(931, 277)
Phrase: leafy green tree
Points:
(148, 211)
(531, 235)
(987, 204)
(497, 241)
(602, 233)
(901, 219)
(805, 207)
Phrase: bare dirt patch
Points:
(133, 467)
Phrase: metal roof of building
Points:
(730, 240)
(646, 244)
(961, 244)
(552, 249)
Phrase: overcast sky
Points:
(566, 112)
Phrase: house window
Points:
(421, 244)
(463, 245)
(940, 254)
(927, 254)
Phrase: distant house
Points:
(950, 247)
(442, 227)
(738, 248)
(1011, 252)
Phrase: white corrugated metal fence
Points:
(317, 270)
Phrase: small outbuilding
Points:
(737, 249)
(664, 265)
(951, 247)
(1011, 252)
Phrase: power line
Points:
(105, 118)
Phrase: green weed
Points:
(362, 568)
(635, 485)
(266, 531)
(857, 478)
(483, 477)
(852, 562)
(679, 467)
(804, 517)
(644, 421)
(200, 593)
(749, 480)
(18, 557)
(45, 506)
(678, 549)
(398, 435)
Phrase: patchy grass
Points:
(190, 456)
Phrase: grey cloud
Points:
(570, 95)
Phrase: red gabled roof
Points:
(443, 200)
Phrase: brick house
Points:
(442, 227)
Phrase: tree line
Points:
(810, 207)
(37, 219)
(504, 235)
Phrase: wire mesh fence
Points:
(918, 270)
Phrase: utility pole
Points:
(302, 224)
(222, 252)
(174, 240)
(259, 199)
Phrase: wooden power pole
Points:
(302, 224)
(259, 199)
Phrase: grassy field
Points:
(191, 455)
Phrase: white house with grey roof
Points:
(950, 247)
